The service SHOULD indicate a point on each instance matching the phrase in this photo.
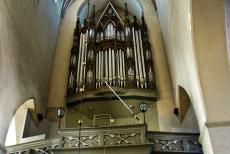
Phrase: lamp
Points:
(143, 108)
(60, 115)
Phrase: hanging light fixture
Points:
(60, 115)
(143, 109)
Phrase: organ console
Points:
(112, 50)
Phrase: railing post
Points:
(185, 145)
(101, 138)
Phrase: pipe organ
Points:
(112, 50)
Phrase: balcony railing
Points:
(174, 142)
(129, 136)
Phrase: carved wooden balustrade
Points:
(104, 136)
(175, 142)
(125, 136)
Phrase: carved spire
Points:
(143, 17)
(88, 3)
(78, 25)
(143, 20)
(134, 19)
(93, 14)
(126, 10)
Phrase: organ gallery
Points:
(110, 49)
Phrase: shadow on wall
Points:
(184, 102)
(185, 111)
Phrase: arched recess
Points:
(184, 102)
(187, 119)
(17, 128)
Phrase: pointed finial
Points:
(93, 10)
(78, 21)
(93, 14)
(143, 18)
(134, 19)
(88, 8)
(126, 10)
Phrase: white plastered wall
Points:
(28, 34)
(194, 35)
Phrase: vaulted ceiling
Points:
(134, 6)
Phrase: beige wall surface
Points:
(28, 35)
(227, 19)
(194, 35)
(165, 104)
(212, 57)
(175, 23)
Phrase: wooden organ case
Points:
(113, 50)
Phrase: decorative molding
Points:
(218, 124)
(175, 142)
(35, 145)
(85, 141)
(123, 138)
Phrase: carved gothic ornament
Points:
(112, 137)
(112, 50)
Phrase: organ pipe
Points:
(135, 57)
(110, 67)
(102, 67)
(82, 58)
(139, 60)
(106, 66)
(113, 67)
(120, 64)
(123, 64)
(117, 45)
(97, 68)
(79, 62)
(84, 61)
(118, 68)
(142, 59)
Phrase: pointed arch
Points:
(17, 125)
(184, 103)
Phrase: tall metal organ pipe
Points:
(123, 63)
(110, 67)
(84, 61)
(135, 57)
(139, 60)
(106, 66)
(97, 68)
(118, 68)
(142, 59)
(102, 67)
(79, 62)
(113, 68)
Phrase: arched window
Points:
(110, 31)
(15, 131)
(20, 125)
